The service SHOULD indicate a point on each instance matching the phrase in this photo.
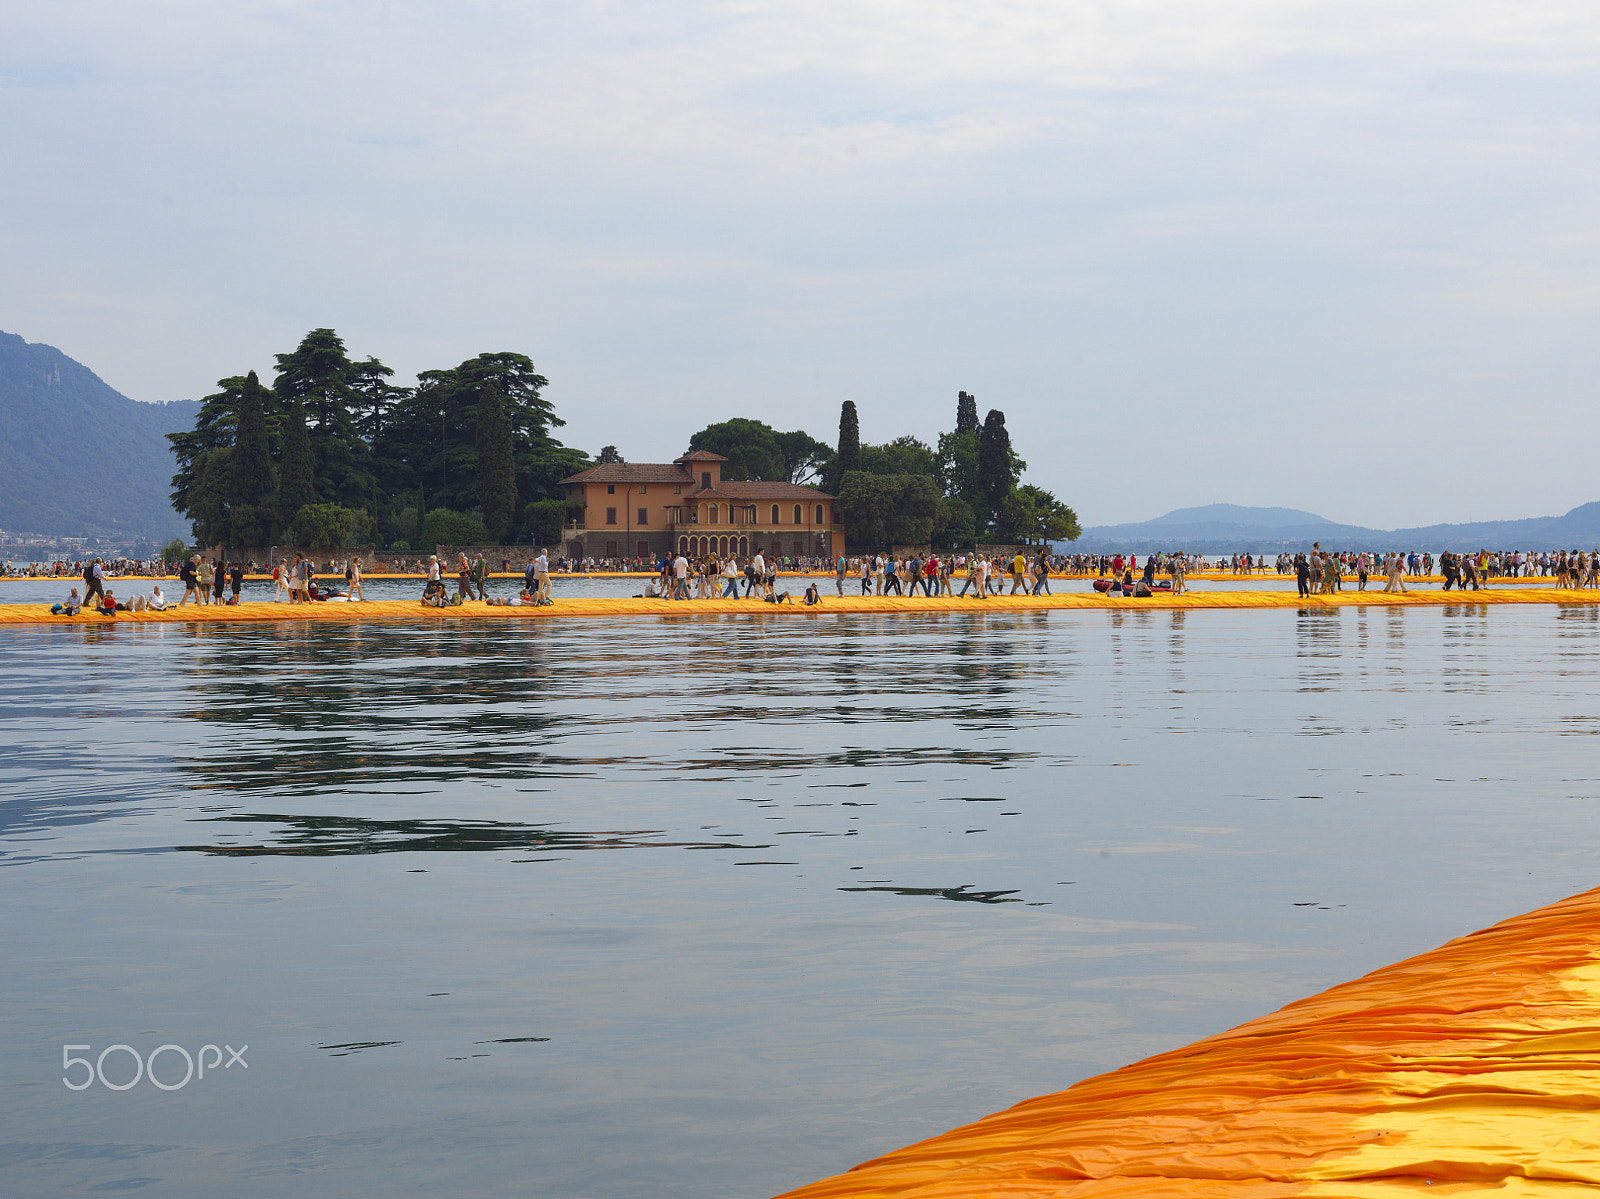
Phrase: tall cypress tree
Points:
(497, 470)
(297, 484)
(994, 463)
(252, 486)
(966, 413)
(849, 438)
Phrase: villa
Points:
(649, 509)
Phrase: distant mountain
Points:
(1230, 528)
(86, 459)
(1233, 514)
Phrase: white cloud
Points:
(1205, 236)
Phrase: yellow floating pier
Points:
(411, 610)
(1473, 1069)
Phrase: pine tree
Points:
(849, 438)
(497, 471)
(322, 380)
(297, 486)
(251, 486)
(966, 413)
(995, 476)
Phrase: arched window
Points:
(775, 514)
(819, 514)
(798, 519)
(713, 514)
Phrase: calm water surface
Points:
(715, 906)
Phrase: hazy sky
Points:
(1336, 256)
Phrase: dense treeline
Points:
(333, 452)
(968, 489)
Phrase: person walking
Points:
(352, 579)
(280, 580)
(219, 580)
(1041, 570)
(480, 576)
(680, 578)
(191, 582)
(971, 580)
(730, 578)
(94, 583)
(891, 577)
(839, 566)
(236, 580)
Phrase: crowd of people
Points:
(207, 581)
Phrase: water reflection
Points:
(963, 893)
(204, 825)
(335, 835)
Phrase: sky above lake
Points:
(1333, 256)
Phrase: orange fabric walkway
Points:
(1473, 1069)
(411, 610)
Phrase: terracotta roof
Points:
(730, 489)
(701, 456)
(632, 472)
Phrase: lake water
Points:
(715, 906)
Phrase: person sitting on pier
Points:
(71, 607)
(813, 596)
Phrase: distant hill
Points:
(1230, 528)
(90, 460)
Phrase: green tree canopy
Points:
(322, 380)
(803, 456)
(431, 435)
(849, 448)
(902, 456)
(497, 480)
(959, 529)
(254, 483)
(881, 511)
(445, 527)
(998, 467)
(966, 414)
(544, 521)
(751, 448)
(323, 526)
(214, 429)
(1032, 515)
(297, 479)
